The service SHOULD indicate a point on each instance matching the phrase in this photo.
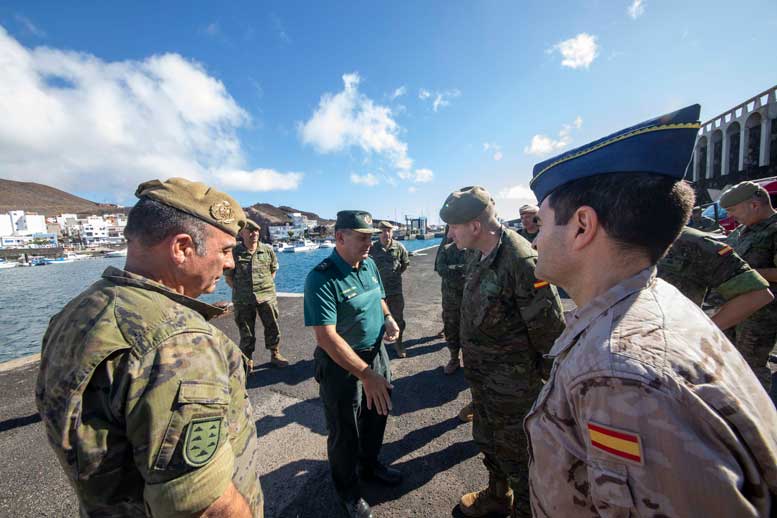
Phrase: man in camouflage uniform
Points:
(647, 401)
(144, 401)
(696, 264)
(392, 260)
(756, 241)
(509, 319)
(450, 265)
(701, 222)
(253, 292)
(530, 228)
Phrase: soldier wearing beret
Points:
(144, 401)
(509, 319)
(701, 222)
(756, 241)
(530, 229)
(647, 400)
(344, 303)
(253, 292)
(696, 264)
(392, 261)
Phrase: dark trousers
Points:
(355, 432)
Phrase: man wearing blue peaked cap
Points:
(643, 385)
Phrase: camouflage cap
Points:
(465, 204)
(252, 225)
(358, 220)
(528, 208)
(197, 199)
(742, 191)
(386, 224)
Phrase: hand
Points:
(392, 330)
(376, 389)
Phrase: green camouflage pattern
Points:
(641, 359)
(507, 324)
(696, 263)
(126, 367)
(756, 337)
(252, 277)
(450, 264)
(528, 236)
(704, 224)
(245, 318)
(392, 261)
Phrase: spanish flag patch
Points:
(622, 444)
(540, 284)
(725, 250)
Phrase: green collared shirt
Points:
(349, 298)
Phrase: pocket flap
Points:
(610, 487)
(203, 392)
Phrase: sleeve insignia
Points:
(725, 251)
(540, 284)
(618, 443)
(202, 440)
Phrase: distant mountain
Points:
(35, 197)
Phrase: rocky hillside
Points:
(35, 197)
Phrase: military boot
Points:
(277, 359)
(466, 414)
(497, 498)
(453, 364)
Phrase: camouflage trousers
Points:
(396, 306)
(245, 318)
(756, 339)
(504, 386)
(451, 313)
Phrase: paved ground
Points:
(423, 438)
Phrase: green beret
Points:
(386, 224)
(528, 208)
(198, 200)
(742, 191)
(252, 225)
(465, 205)
(357, 220)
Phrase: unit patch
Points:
(540, 284)
(725, 250)
(202, 440)
(622, 444)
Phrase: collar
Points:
(125, 278)
(241, 247)
(486, 261)
(761, 224)
(581, 318)
(344, 267)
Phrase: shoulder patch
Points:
(202, 440)
(618, 443)
(725, 250)
(323, 265)
(540, 284)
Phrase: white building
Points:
(6, 225)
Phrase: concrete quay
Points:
(423, 437)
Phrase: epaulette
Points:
(323, 265)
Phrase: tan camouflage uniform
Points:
(392, 261)
(144, 402)
(509, 319)
(254, 292)
(450, 265)
(696, 263)
(650, 411)
(756, 337)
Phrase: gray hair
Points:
(151, 222)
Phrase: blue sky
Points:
(383, 106)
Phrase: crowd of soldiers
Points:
(635, 403)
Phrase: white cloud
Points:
(543, 145)
(519, 192)
(74, 121)
(636, 9)
(29, 26)
(424, 94)
(417, 176)
(496, 148)
(577, 52)
(399, 92)
(369, 179)
(439, 99)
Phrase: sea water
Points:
(29, 297)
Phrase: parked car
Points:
(727, 222)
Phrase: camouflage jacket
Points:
(647, 403)
(450, 264)
(144, 401)
(705, 224)
(392, 261)
(757, 244)
(697, 263)
(252, 277)
(505, 308)
(526, 235)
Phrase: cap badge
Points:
(222, 212)
(368, 219)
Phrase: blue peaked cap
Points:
(660, 146)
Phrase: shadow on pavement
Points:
(426, 389)
(300, 413)
(16, 422)
(265, 375)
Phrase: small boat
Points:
(7, 264)
(302, 245)
(327, 243)
(39, 261)
(117, 253)
(281, 246)
(68, 257)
